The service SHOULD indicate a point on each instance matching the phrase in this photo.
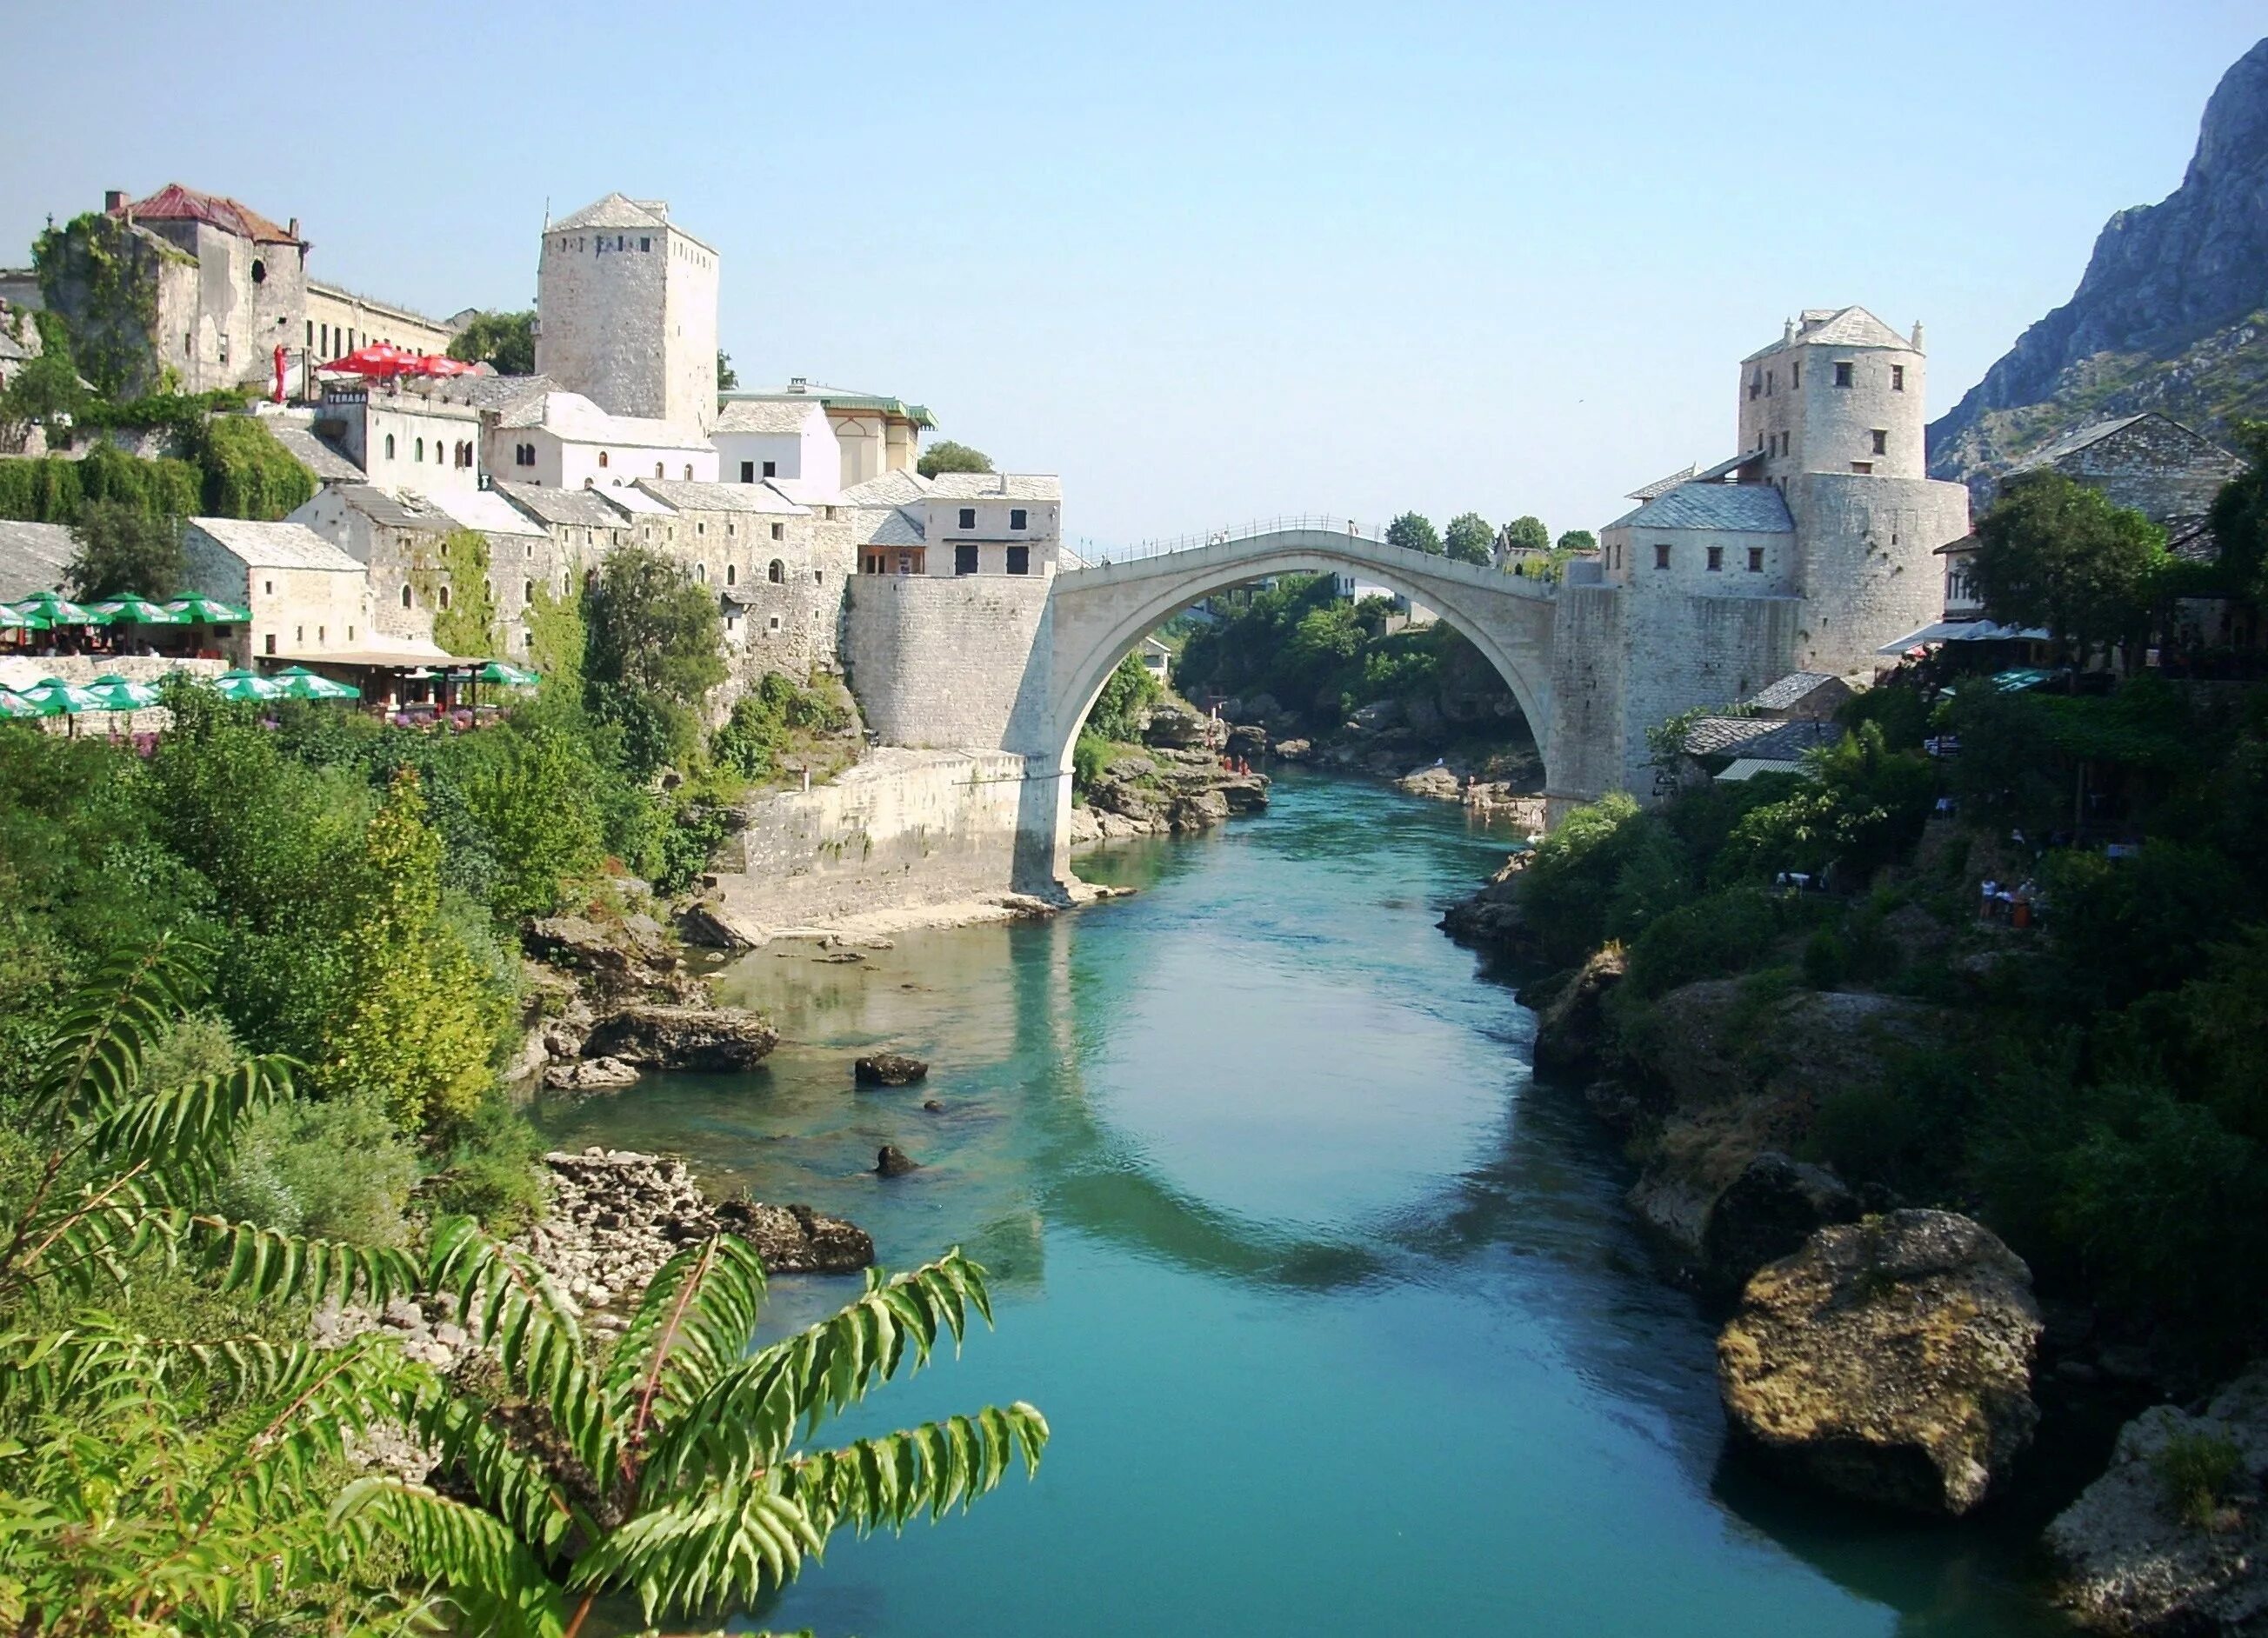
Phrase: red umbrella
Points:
(439, 363)
(380, 359)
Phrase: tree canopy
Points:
(1414, 532)
(124, 548)
(653, 649)
(505, 341)
(727, 377)
(1576, 540)
(947, 456)
(1469, 538)
(2055, 553)
(2239, 519)
(1528, 534)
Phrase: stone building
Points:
(562, 440)
(338, 321)
(626, 311)
(307, 598)
(780, 571)
(759, 440)
(874, 433)
(428, 440)
(397, 536)
(1804, 552)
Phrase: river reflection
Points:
(1338, 1317)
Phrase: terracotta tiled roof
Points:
(176, 203)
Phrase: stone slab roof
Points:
(328, 464)
(1758, 736)
(2209, 456)
(275, 545)
(620, 210)
(401, 510)
(885, 525)
(32, 557)
(575, 418)
(767, 414)
(1662, 486)
(581, 508)
(176, 203)
(489, 512)
(1748, 508)
(885, 488)
(1790, 690)
(692, 496)
(995, 486)
(840, 398)
(1836, 327)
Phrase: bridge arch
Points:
(1098, 613)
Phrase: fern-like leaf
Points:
(693, 1323)
(491, 1576)
(95, 1051)
(933, 1468)
(183, 1136)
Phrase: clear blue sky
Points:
(1208, 261)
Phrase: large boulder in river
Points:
(711, 1040)
(2173, 1539)
(795, 1239)
(1889, 1361)
(889, 1069)
(1572, 1034)
(1179, 726)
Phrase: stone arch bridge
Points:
(1097, 612)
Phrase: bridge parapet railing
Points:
(1095, 555)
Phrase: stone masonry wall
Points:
(1869, 575)
(903, 828)
(944, 663)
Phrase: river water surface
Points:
(1338, 1319)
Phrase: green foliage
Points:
(1414, 532)
(1724, 934)
(467, 625)
(1528, 534)
(247, 473)
(1127, 695)
(124, 549)
(2198, 1472)
(947, 456)
(1089, 755)
(652, 629)
(1469, 539)
(2126, 926)
(46, 392)
(532, 794)
(339, 1170)
(101, 279)
(2056, 553)
(1574, 542)
(555, 641)
(2239, 519)
(57, 488)
(504, 339)
(1861, 805)
(1900, 713)
(727, 377)
(182, 413)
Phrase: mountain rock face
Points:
(2172, 314)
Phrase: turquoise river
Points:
(1338, 1319)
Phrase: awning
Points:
(374, 659)
(1750, 767)
(1965, 631)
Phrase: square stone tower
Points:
(626, 311)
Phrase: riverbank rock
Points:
(1572, 1035)
(889, 1069)
(623, 957)
(714, 925)
(1178, 726)
(2140, 1557)
(1768, 1212)
(1437, 783)
(709, 1039)
(591, 1075)
(1889, 1361)
(1294, 750)
(1492, 916)
(795, 1239)
(1247, 740)
(893, 1162)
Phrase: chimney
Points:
(1786, 330)
(1917, 336)
(798, 384)
(113, 201)
(292, 227)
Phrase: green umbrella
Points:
(505, 671)
(119, 694)
(13, 704)
(245, 685)
(128, 609)
(64, 696)
(10, 621)
(207, 611)
(58, 610)
(296, 682)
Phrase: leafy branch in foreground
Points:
(678, 1468)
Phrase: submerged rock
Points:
(795, 1239)
(2173, 1539)
(715, 1039)
(591, 1075)
(889, 1069)
(1888, 1360)
(893, 1162)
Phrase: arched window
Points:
(445, 597)
(777, 573)
(656, 469)
(731, 575)
(590, 484)
(527, 591)
(689, 472)
(259, 271)
(701, 573)
(421, 449)
(405, 601)
(602, 458)
(389, 446)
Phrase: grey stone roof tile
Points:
(1748, 508)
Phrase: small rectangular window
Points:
(1756, 560)
(271, 643)
(771, 469)
(964, 558)
(1661, 555)
(968, 517)
(1716, 559)
(646, 243)
(747, 472)
(1882, 442)
(1794, 378)
(1020, 560)
(1897, 377)
(780, 532)
(1016, 517)
(1844, 374)
(1862, 467)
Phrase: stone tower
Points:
(626, 310)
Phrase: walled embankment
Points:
(903, 829)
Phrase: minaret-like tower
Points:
(626, 309)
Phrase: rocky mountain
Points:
(2172, 314)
